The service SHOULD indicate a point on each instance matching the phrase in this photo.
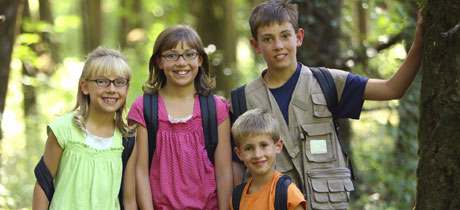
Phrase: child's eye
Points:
(267, 39)
(247, 148)
(171, 56)
(286, 36)
(264, 145)
(190, 55)
(103, 82)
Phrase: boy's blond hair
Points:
(271, 12)
(255, 122)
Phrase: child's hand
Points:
(418, 29)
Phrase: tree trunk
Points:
(321, 23)
(438, 172)
(92, 24)
(215, 26)
(129, 19)
(8, 12)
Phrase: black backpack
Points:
(280, 193)
(45, 179)
(327, 84)
(208, 119)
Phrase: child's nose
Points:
(278, 44)
(181, 60)
(258, 152)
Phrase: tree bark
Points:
(129, 19)
(438, 172)
(216, 26)
(321, 23)
(92, 24)
(8, 12)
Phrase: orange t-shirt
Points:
(265, 197)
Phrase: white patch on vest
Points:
(318, 147)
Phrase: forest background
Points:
(367, 37)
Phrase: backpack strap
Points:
(238, 99)
(209, 123)
(128, 146)
(44, 178)
(151, 120)
(236, 196)
(327, 84)
(281, 192)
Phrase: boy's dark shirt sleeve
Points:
(351, 102)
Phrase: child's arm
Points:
(300, 207)
(51, 157)
(143, 191)
(129, 182)
(223, 165)
(397, 85)
(238, 173)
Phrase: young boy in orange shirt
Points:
(257, 138)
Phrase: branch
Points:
(450, 32)
(395, 39)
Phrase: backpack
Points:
(208, 119)
(280, 193)
(45, 179)
(327, 84)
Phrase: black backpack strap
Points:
(128, 146)
(236, 196)
(281, 192)
(151, 120)
(327, 84)
(238, 101)
(45, 179)
(239, 106)
(209, 123)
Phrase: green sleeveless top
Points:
(86, 178)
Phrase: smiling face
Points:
(105, 100)
(180, 73)
(258, 153)
(278, 45)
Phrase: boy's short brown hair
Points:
(271, 12)
(255, 122)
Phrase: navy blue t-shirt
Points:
(350, 103)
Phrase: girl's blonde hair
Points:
(168, 39)
(107, 62)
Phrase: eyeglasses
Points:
(104, 82)
(175, 56)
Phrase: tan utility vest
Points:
(312, 156)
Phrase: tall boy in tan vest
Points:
(312, 156)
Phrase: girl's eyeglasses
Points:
(175, 56)
(104, 82)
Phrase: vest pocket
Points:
(320, 105)
(319, 147)
(329, 188)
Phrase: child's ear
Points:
(279, 146)
(159, 63)
(255, 45)
(299, 37)
(200, 60)
(237, 151)
(84, 87)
